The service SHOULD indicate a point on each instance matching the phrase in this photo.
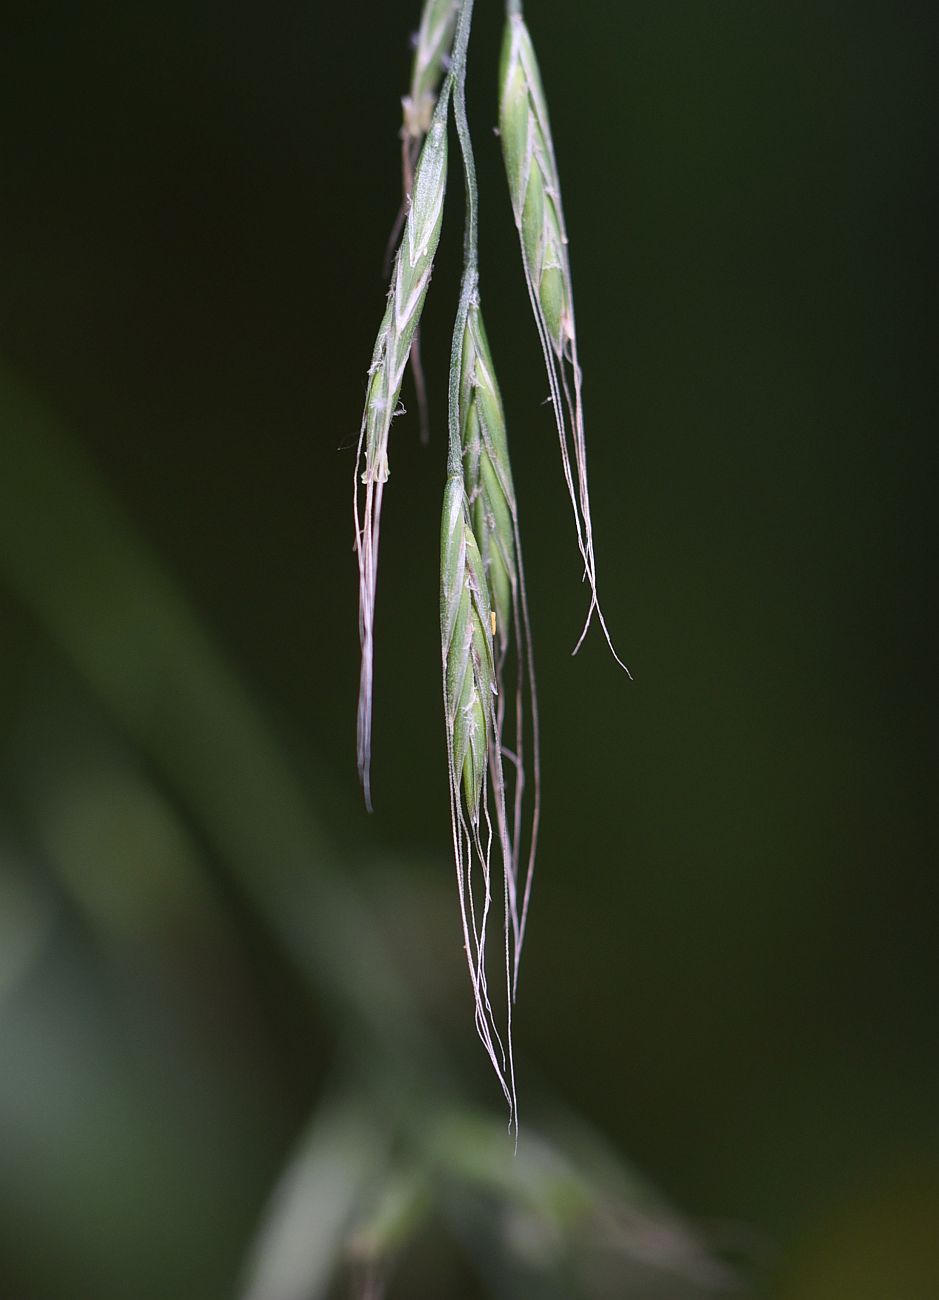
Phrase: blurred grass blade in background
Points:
(304, 1240)
(75, 561)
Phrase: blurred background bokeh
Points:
(218, 975)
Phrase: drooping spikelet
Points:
(534, 185)
(470, 693)
(490, 493)
(431, 56)
(466, 642)
(488, 475)
(535, 190)
(433, 42)
(411, 276)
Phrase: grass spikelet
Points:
(431, 57)
(411, 276)
(466, 637)
(487, 472)
(535, 189)
(432, 44)
(470, 694)
(490, 493)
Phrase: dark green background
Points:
(732, 966)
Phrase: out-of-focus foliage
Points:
(236, 1047)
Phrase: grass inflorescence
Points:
(486, 647)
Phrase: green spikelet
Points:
(466, 643)
(431, 53)
(412, 272)
(487, 473)
(535, 191)
(534, 185)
